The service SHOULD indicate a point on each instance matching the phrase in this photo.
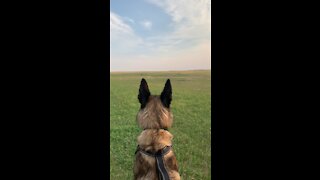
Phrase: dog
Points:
(154, 157)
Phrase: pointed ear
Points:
(144, 93)
(166, 95)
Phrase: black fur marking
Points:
(144, 93)
(166, 95)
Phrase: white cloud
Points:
(129, 20)
(118, 26)
(188, 46)
(123, 39)
(121, 34)
(194, 12)
(191, 21)
(146, 24)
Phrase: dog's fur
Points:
(154, 116)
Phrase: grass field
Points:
(191, 107)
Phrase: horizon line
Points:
(120, 71)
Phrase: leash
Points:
(159, 155)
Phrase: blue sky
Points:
(151, 35)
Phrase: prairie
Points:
(191, 107)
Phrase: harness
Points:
(163, 173)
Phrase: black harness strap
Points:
(163, 173)
(162, 170)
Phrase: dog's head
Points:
(154, 111)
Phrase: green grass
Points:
(191, 107)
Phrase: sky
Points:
(160, 35)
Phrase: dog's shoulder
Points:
(154, 139)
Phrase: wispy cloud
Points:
(191, 21)
(118, 26)
(194, 11)
(187, 46)
(129, 20)
(146, 24)
(122, 35)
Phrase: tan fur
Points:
(154, 115)
(154, 139)
(145, 166)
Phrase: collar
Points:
(159, 128)
(159, 153)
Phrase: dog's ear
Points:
(144, 93)
(166, 95)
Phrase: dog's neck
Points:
(155, 129)
(154, 139)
